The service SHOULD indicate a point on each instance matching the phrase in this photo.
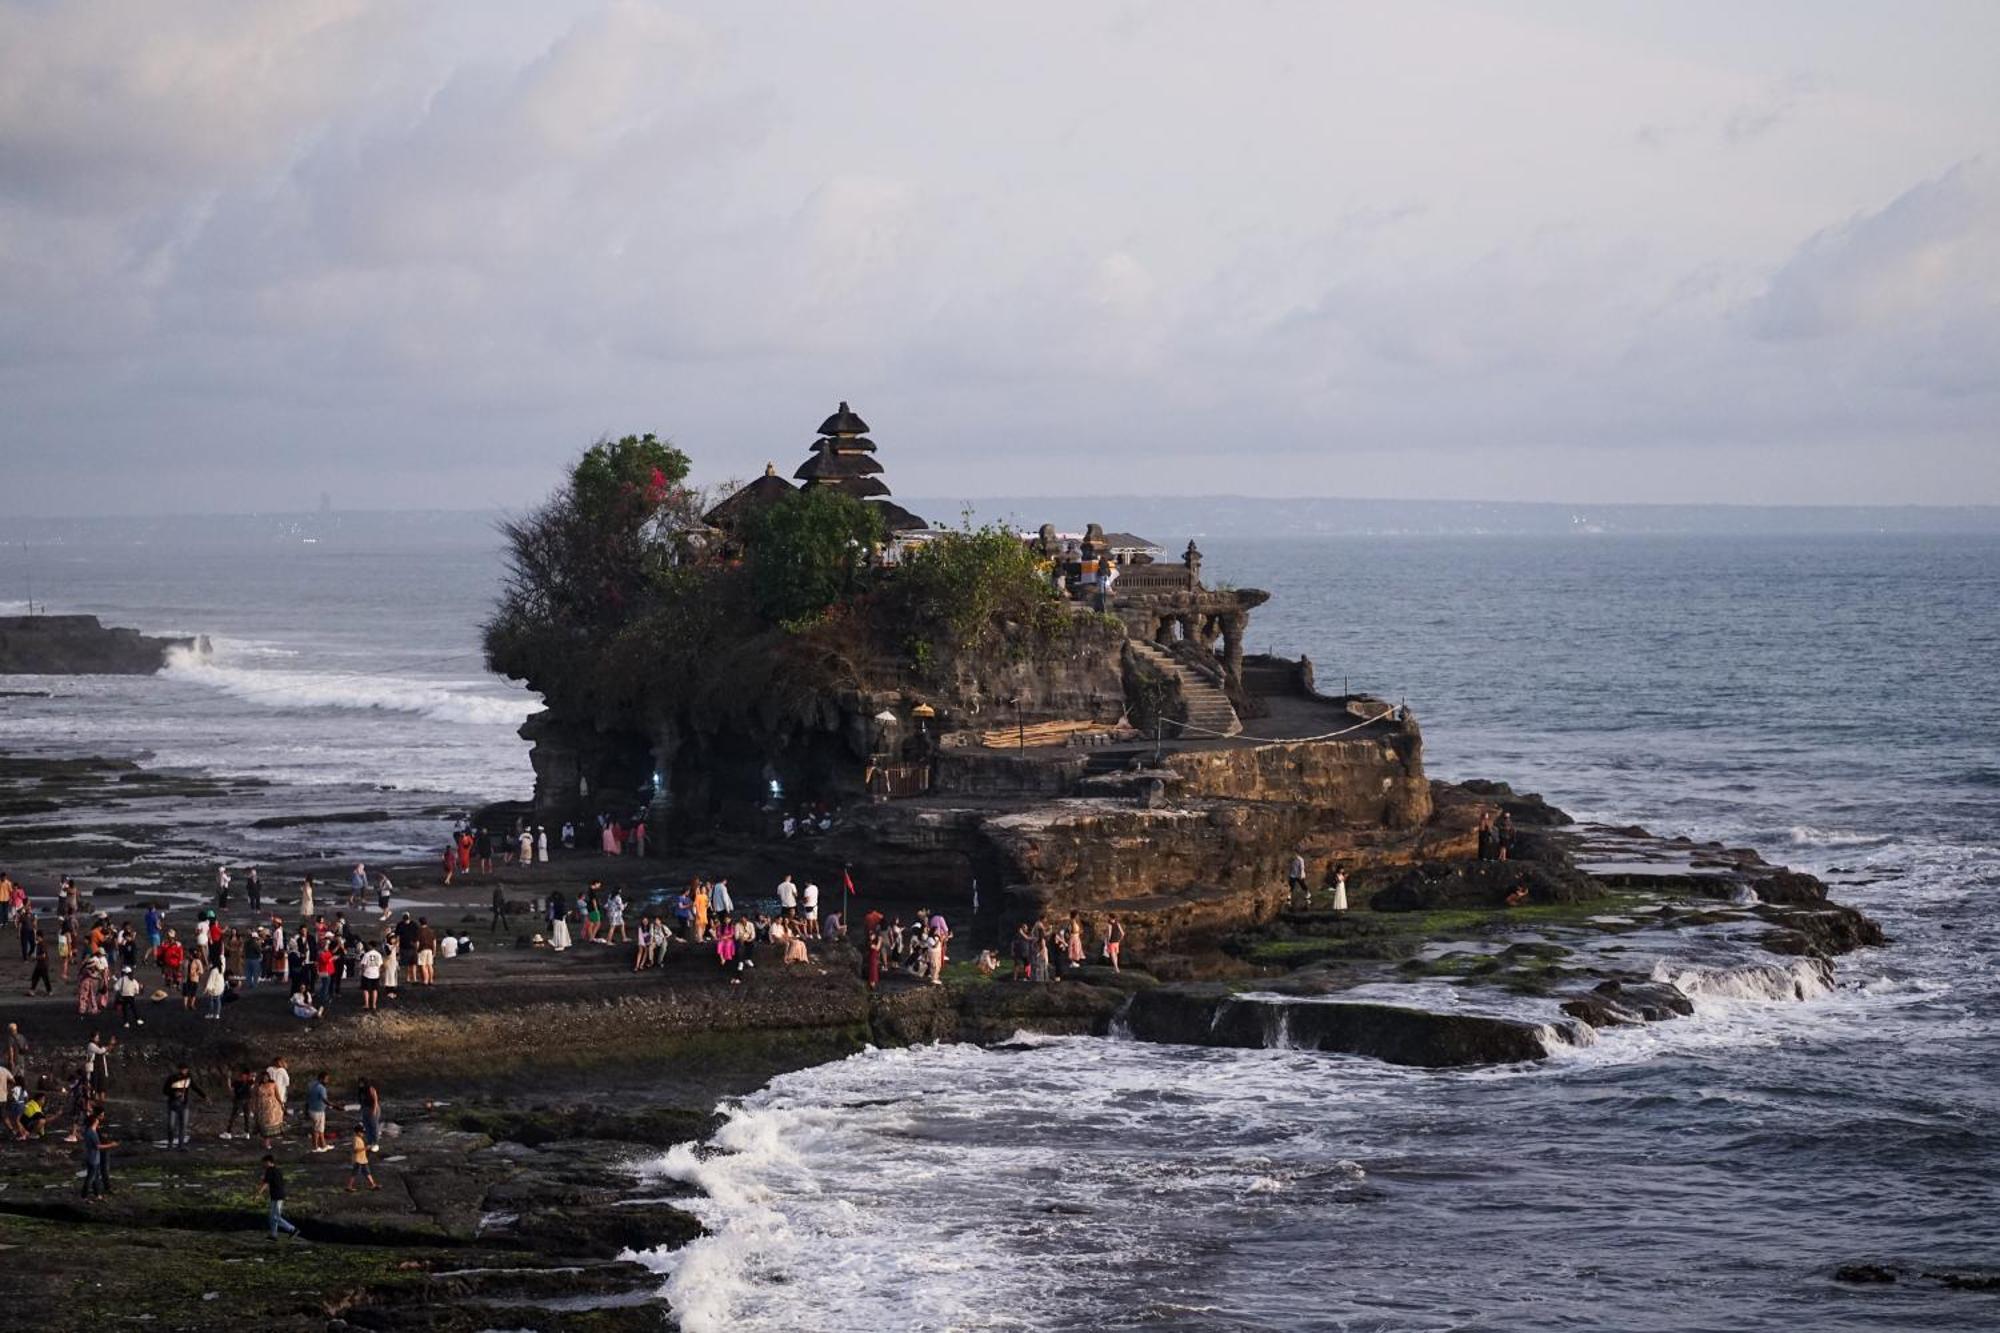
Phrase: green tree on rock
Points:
(806, 552)
(581, 565)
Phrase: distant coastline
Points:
(1223, 516)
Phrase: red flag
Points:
(847, 880)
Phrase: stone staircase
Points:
(1209, 712)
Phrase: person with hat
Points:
(127, 991)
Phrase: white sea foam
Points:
(1804, 835)
(907, 1189)
(474, 703)
(1793, 979)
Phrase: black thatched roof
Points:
(858, 487)
(831, 465)
(844, 422)
(895, 518)
(739, 505)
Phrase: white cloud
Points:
(426, 252)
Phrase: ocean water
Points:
(1830, 701)
(345, 667)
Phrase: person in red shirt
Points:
(172, 955)
(325, 968)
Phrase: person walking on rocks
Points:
(40, 976)
(281, 1074)
(213, 987)
(558, 922)
(1295, 875)
(359, 1169)
(269, 1108)
(180, 1086)
(242, 1084)
(500, 922)
(370, 1098)
(1114, 939)
(426, 969)
(526, 845)
(96, 1157)
(541, 845)
(271, 1184)
(371, 978)
(1339, 890)
(316, 1100)
(255, 890)
(306, 898)
(936, 934)
(127, 989)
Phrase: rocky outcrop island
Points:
(41, 645)
(1020, 727)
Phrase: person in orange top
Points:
(360, 1170)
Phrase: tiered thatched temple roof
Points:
(843, 458)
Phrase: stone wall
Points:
(1365, 780)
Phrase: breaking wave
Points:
(1797, 979)
(439, 701)
(1804, 835)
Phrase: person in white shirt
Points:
(718, 899)
(811, 902)
(371, 978)
(282, 1077)
(212, 987)
(541, 844)
(788, 896)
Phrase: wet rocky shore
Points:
(524, 1090)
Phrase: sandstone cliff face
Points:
(1357, 781)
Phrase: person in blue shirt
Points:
(316, 1100)
(96, 1158)
(153, 924)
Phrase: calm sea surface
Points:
(1831, 701)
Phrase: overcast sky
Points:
(419, 255)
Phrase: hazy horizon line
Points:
(1104, 498)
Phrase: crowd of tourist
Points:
(344, 945)
(41, 1098)
(476, 847)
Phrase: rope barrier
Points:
(1287, 740)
